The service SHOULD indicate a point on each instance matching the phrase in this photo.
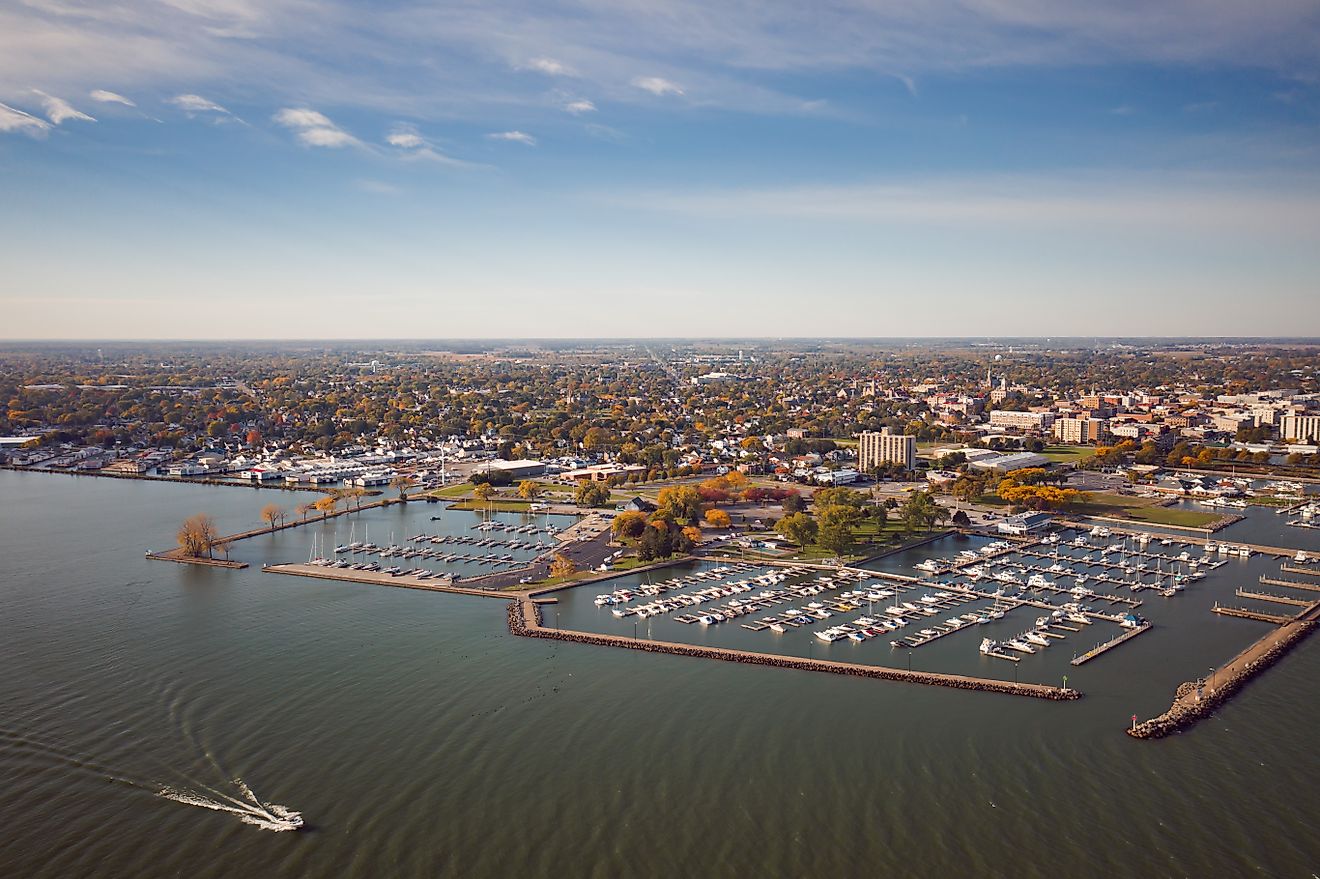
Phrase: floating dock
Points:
(1291, 584)
(1110, 644)
(1269, 596)
(1247, 614)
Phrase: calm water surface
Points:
(418, 738)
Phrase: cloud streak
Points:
(657, 85)
(106, 97)
(514, 137)
(59, 111)
(14, 120)
(314, 129)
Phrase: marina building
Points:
(876, 449)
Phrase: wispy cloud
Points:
(410, 144)
(908, 83)
(514, 136)
(580, 106)
(657, 85)
(59, 110)
(314, 129)
(377, 187)
(196, 105)
(550, 67)
(605, 132)
(407, 140)
(13, 119)
(106, 97)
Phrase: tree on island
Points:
(402, 483)
(197, 535)
(272, 513)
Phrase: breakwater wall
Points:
(525, 620)
(151, 477)
(1187, 708)
(178, 557)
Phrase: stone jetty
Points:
(525, 620)
(1194, 700)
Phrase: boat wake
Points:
(247, 806)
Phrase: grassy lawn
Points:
(1068, 454)
(1141, 509)
(458, 489)
(867, 537)
(1138, 509)
(630, 562)
(502, 505)
(1265, 501)
(1167, 516)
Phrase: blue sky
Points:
(316, 168)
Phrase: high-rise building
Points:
(882, 448)
(1077, 431)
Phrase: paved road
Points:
(1089, 480)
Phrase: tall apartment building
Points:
(1303, 428)
(1078, 431)
(877, 449)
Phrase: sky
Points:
(621, 168)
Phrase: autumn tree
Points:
(402, 483)
(197, 535)
(629, 525)
(272, 513)
(591, 493)
(304, 509)
(562, 567)
(529, 489)
(718, 519)
(483, 492)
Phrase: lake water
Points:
(418, 738)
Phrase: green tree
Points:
(681, 503)
(590, 493)
(798, 527)
(835, 537)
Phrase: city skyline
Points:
(320, 169)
